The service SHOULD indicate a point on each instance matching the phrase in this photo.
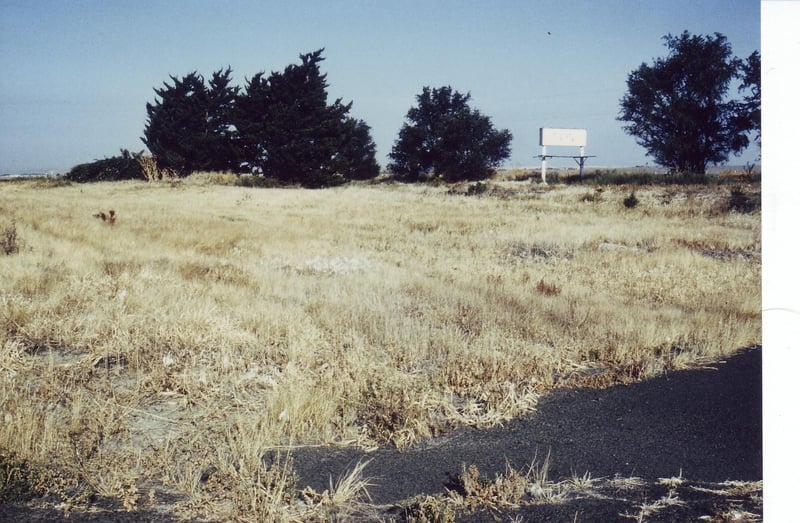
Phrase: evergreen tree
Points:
(219, 149)
(251, 122)
(189, 128)
(288, 131)
(445, 137)
(281, 126)
(355, 158)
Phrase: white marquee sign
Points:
(553, 136)
(559, 137)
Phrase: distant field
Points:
(159, 357)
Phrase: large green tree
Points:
(355, 155)
(189, 126)
(445, 137)
(678, 108)
(288, 131)
(751, 86)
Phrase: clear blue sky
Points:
(76, 75)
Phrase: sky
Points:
(76, 75)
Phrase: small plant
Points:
(15, 479)
(477, 189)
(548, 289)
(10, 243)
(429, 509)
(749, 168)
(592, 197)
(631, 201)
(110, 218)
(476, 490)
(149, 167)
(254, 180)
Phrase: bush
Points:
(631, 201)
(10, 244)
(477, 189)
(123, 167)
(15, 479)
(548, 289)
(255, 180)
(740, 201)
(614, 177)
(592, 197)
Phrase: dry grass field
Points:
(150, 361)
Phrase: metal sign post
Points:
(562, 137)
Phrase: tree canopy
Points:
(751, 86)
(280, 126)
(189, 128)
(290, 132)
(445, 137)
(678, 108)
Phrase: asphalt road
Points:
(702, 424)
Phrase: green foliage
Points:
(355, 157)
(631, 201)
(678, 109)
(287, 130)
(751, 85)
(15, 479)
(444, 137)
(190, 127)
(614, 177)
(252, 180)
(477, 188)
(123, 167)
(617, 177)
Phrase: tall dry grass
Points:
(214, 325)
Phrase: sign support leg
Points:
(544, 164)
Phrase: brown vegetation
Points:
(162, 358)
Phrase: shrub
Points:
(10, 245)
(429, 509)
(740, 201)
(255, 180)
(477, 188)
(631, 201)
(15, 479)
(123, 167)
(592, 197)
(614, 177)
(548, 289)
(150, 169)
